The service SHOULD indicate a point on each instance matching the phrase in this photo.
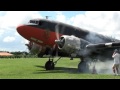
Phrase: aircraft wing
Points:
(103, 45)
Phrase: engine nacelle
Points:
(71, 44)
(35, 48)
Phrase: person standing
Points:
(116, 56)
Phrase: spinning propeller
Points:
(60, 40)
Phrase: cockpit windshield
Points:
(34, 21)
(38, 22)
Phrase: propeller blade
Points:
(57, 31)
(57, 41)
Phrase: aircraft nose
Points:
(20, 29)
(23, 31)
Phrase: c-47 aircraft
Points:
(51, 36)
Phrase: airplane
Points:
(48, 36)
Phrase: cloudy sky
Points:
(103, 22)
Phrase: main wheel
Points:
(49, 65)
(83, 67)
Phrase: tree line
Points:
(19, 54)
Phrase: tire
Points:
(49, 65)
(83, 67)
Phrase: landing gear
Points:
(50, 65)
(83, 66)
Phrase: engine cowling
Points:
(33, 47)
(71, 44)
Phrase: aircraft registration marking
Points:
(36, 40)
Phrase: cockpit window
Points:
(40, 23)
(34, 21)
(37, 22)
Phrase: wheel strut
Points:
(50, 65)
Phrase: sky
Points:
(103, 22)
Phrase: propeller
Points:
(60, 42)
(55, 47)
(29, 45)
(59, 28)
(57, 31)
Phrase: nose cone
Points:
(23, 31)
(20, 29)
(32, 33)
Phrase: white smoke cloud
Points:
(102, 67)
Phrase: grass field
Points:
(33, 68)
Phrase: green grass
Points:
(33, 68)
